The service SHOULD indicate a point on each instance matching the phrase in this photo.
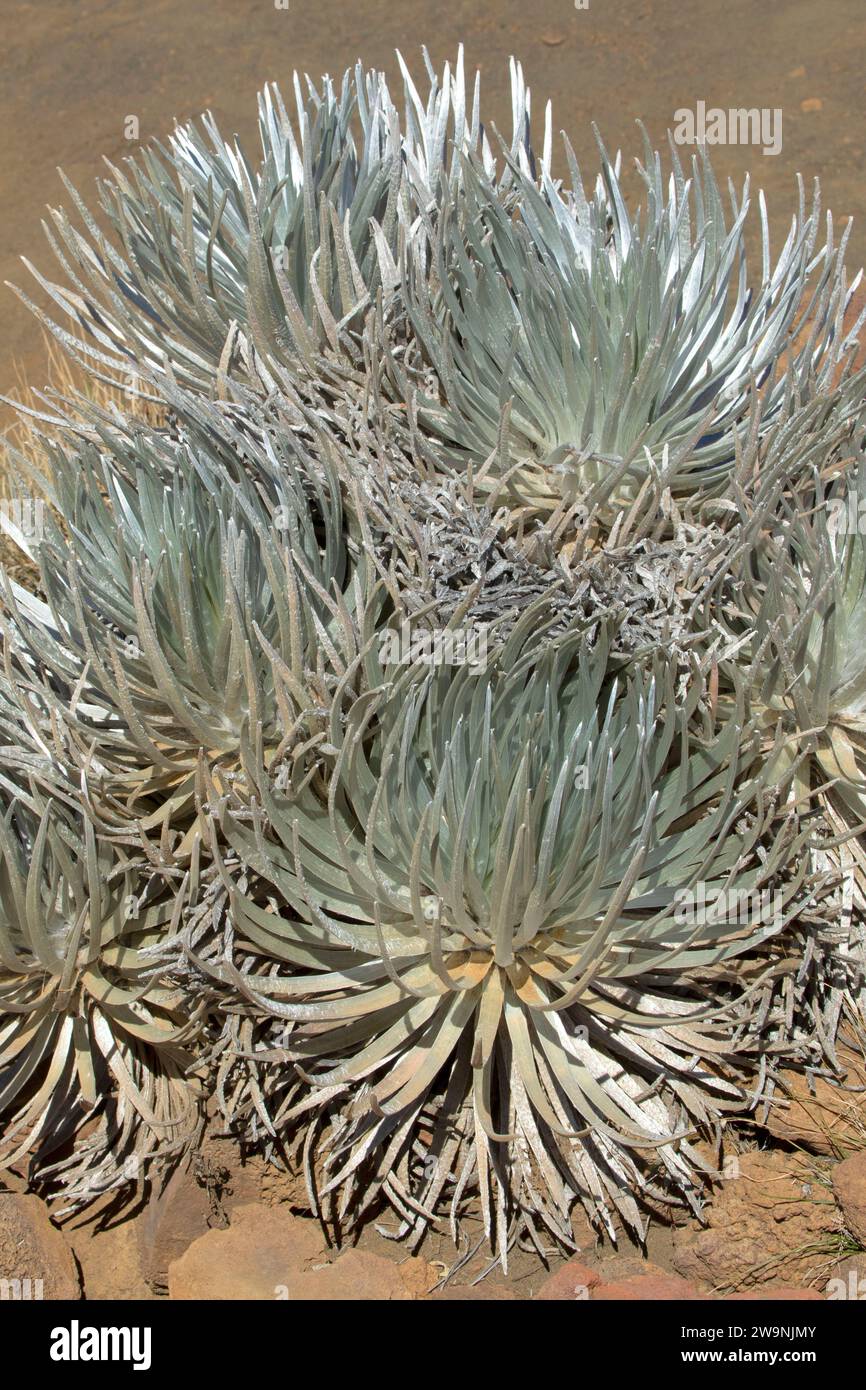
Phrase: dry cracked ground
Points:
(789, 1215)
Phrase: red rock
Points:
(269, 1253)
(781, 1292)
(613, 1269)
(175, 1216)
(262, 1255)
(571, 1281)
(762, 1227)
(110, 1260)
(35, 1259)
(485, 1292)
(849, 1185)
(823, 1117)
(419, 1278)
(353, 1276)
(647, 1288)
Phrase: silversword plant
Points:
(435, 731)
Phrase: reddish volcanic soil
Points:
(74, 72)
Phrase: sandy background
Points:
(73, 72)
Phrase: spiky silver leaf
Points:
(483, 971)
(190, 585)
(587, 348)
(214, 259)
(91, 1029)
